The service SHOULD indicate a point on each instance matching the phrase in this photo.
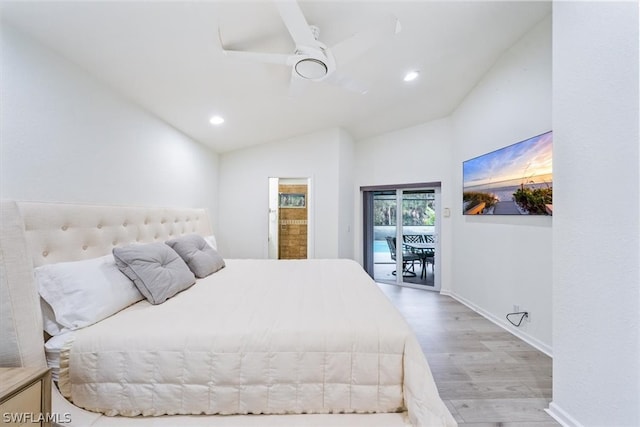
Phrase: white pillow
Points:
(211, 240)
(81, 293)
(52, 327)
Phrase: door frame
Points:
(273, 221)
(368, 237)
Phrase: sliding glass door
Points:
(401, 236)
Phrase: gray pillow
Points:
(157, 270)
(201, 258)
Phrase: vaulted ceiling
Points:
(167, 57)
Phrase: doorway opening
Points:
(288, 218)
(401, 244)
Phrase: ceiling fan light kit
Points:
(312, 60)
(311, 69)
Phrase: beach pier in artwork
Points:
(508, 207)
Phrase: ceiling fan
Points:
(312, 60)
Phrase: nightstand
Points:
(25, 396)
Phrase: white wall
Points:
(502, 261)
(346, 204)
(596, 236)
(413, 155)
(67, 137)
(244, 192)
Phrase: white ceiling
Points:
(166, 57)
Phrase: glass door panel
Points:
(385, 217)
(418, 235)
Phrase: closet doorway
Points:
(289, 218)
(401, 234)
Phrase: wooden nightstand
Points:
(25, 396)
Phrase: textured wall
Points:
(596, 231)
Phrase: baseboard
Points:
(561, 416)
(534, 342)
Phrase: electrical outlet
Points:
(516, 308)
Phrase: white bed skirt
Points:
(77, 417)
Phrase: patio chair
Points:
(431, 253)
(427, 256)
(408, 259)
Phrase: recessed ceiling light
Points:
(216, 120)
(411, 75)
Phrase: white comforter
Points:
(258, 337)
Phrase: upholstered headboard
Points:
(57, 232)
(38, 233)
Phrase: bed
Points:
(257, 342)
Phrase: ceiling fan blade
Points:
(296, 23)
(362, 41)
(297, 85)
(346, 82)
(269, 58)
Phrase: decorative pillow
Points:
(81, 293)
(157, 270)
(201, 258)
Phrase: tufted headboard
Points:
(38, 233)
(57, 232)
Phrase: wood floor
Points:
(485, 375)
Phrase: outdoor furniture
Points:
(413, 238)
(416, 238)
(430, 252)
(429, 257)
(408, 258)
(422, 247)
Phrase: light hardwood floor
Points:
(485, 375)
